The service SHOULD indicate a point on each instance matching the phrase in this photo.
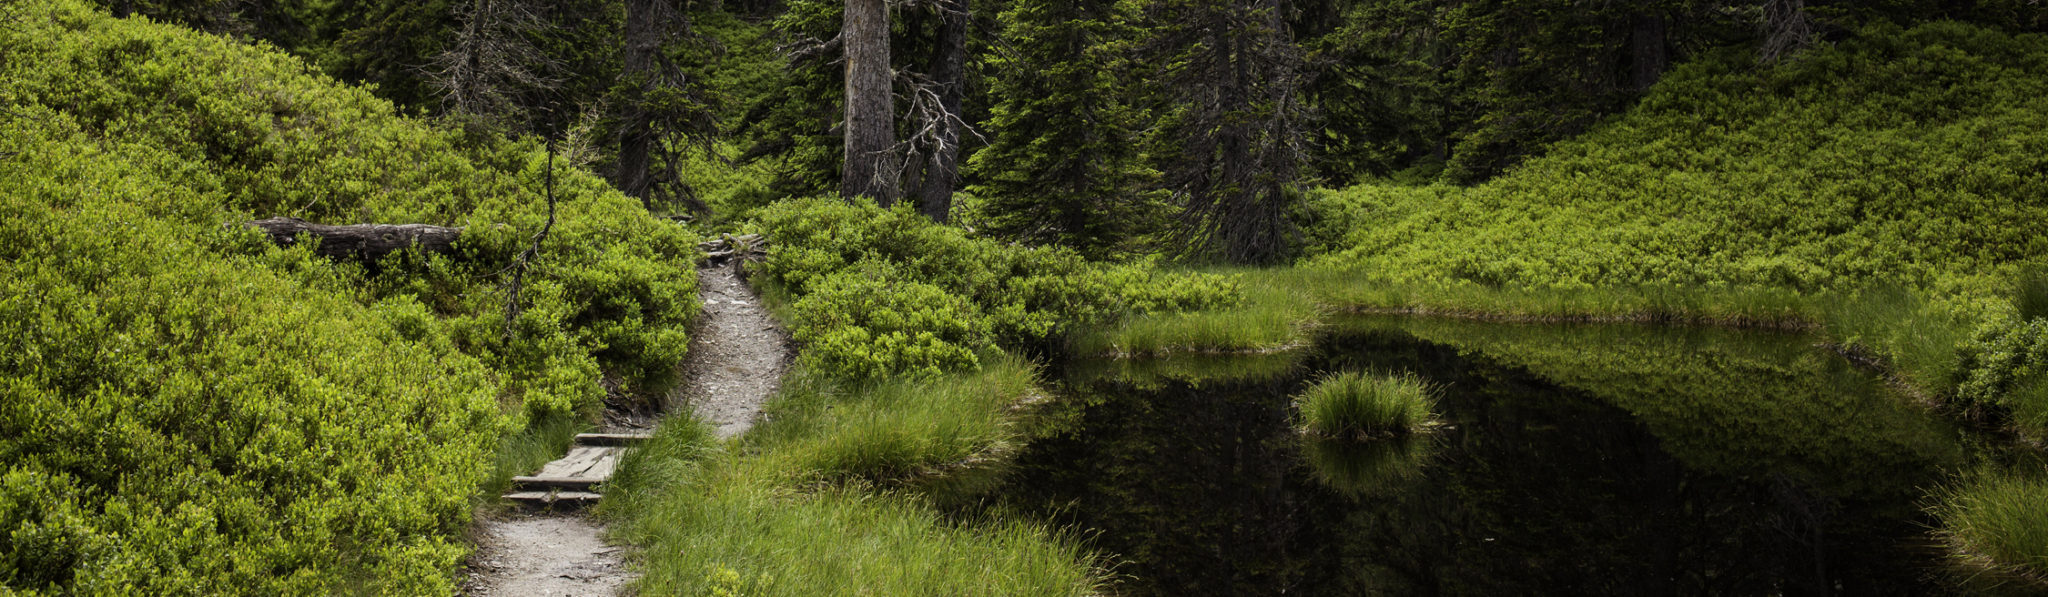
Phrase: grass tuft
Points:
(1997, 524)
(1359, 406)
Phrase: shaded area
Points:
(1580, 459)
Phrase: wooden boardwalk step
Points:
(562, 483)
(573, 480)
(544, 499)
(611, 439)
(584, 461)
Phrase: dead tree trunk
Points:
(870, 119)
(365, 242)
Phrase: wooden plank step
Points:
(611, 439)
(563, 483)
(553, 499)
(584, 461)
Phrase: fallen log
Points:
(360, 241)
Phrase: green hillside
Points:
(1914, 157)
(187, 409)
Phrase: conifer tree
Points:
(1232, 145)
(1063, 165)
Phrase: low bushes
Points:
(885, 291)
(187, 409)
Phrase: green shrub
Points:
(1356, 405)
(937, 295)
(188, 409)
(867, 322)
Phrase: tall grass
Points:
(898, 432)
(1360, 406)
(1998, 523)
(718, 521)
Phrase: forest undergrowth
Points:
(190, 409)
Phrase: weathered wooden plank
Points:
(553, 498)
(611, 439)
(583, 461)
(546, 483)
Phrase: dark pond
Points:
(1576, 460)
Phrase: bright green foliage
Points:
(1062, 166)
(876, 321)
(1356, 405)
(188, 409)
(1911, 156)
(2008, 367)
(885, 291)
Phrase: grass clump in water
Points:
(1997, 524)
(1359, 406)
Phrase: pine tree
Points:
(1233, 145)
(1063, 163)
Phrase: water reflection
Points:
(1362, 468)
(1574, 460)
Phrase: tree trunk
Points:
(366, 242)
(870, 111)
(636, 132)
(949, 69)
(1650, 52)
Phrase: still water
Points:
(1574, 460)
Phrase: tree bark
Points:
(949, 63)
(366, 242)
(636, 132)
(870, 111)
(1650, 53)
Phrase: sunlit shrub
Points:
(187, 409)
(946, 295)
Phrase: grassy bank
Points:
(839, 492)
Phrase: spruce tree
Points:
(1063, 164)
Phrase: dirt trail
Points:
(737, 356)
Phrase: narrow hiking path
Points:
(736, 360)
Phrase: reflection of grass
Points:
(1360, 406)
(1192, 368)
(1915, 338)
(1283, 305)
(1366, 468)
(717, 522)
(1999, 523)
